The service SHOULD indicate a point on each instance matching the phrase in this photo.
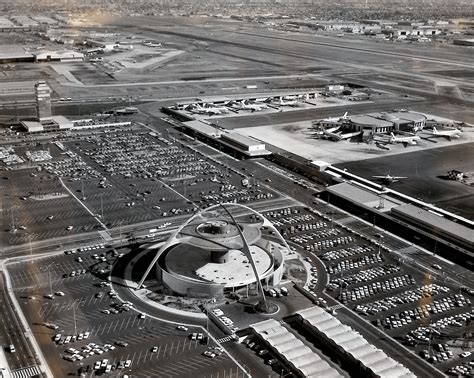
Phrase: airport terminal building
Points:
(380, 122)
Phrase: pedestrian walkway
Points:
(27, 372)
(224, 339)
(337, 306)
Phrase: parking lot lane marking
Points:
(128, 321)
(139, 356)
(121, 325)
(171, 349)
(133, 358)
(199, 360)
(159, 350)
(164, 352)
(98, 329)
(184, 344)
(110, 326)
(90, 300)
(134, 318)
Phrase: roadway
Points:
(11, 332)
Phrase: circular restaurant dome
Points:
(221, 248)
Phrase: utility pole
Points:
(50, 281)
(101, 206)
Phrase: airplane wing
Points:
(379, 177)
(399, 177)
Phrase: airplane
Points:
(448, 134)
(152, 44)
(329, 122)
(253, 107)
(331, 134)
(406, 140)
(387, 179)
(207, 110)
(334, 119)
(284, 102)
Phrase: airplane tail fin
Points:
(435, 131)
(345, 115)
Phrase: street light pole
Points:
(50, 282)
(74, 316)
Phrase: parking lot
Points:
(418, 308)
(98, 180)
(81, 324)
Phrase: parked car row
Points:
(356, 263)
(377, 288)
(346, 252)
(329, 243)
(425, 311)
(72, 167)
(306, 237)
(443, 353)
(213, 352)
(408, 296)
(137, 155)
(66, 339)
(365, 275)
(105, 367)
(466, 369)
(75, 273)
(303, 227)
(423, 333)
(295, 219)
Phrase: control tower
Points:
(43, 102)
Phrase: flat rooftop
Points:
(203, 128)
(242, 139)
(369, 120)
(436, 221)
(362, 196)
(14, 51)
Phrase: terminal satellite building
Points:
(379, 122)
(223, 248)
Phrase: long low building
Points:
(246, 145)
(296, 354)
(351, 344)
(241, 144)
(436, 224)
